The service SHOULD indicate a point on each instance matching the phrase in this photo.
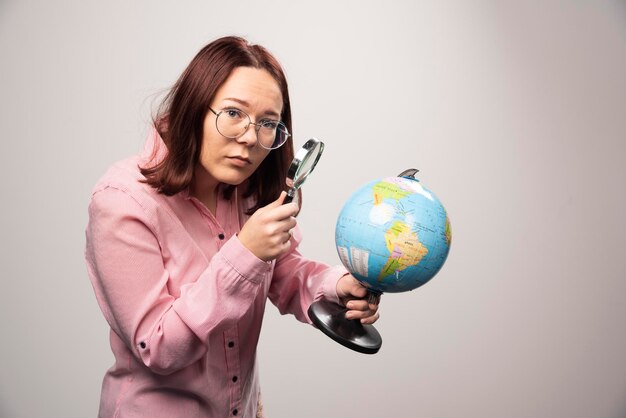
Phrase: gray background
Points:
(513, 111)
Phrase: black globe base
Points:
(330, 318)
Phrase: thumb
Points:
(276, 203)
(358, 290)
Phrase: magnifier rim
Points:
(296, 164)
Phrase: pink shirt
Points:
(184, 298)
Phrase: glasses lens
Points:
(272, 134)
(232, 123)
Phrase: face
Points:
(231, 161)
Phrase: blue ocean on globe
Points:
(393, 234)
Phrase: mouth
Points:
(239, 160)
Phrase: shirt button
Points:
(235, 412)
(231, 344)
(221, 236)
(235, 379)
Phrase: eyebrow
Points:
(246, 104)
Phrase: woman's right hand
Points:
(267, 234)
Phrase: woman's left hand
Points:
(354, 296)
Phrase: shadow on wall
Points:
(4, 8)
(4, 412)
(620, 7)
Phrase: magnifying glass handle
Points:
(290, 195)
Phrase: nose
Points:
(250, 136)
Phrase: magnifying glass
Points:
(302, 165)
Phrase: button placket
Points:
(223, 217)
(212, 221)
(233, 368)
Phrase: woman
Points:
(187, 240)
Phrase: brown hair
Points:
(180, 118)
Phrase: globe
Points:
(393, 234)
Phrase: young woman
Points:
(188, 239)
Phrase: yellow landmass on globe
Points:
(404, 247)
(384, 190)
(448, 231)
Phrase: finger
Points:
(293, 208)
(286, 226)
(281, 212)
(358, 305)
(353, 314)
(289, 223)
(287, 237)
(370, 319)
(359, 314)
(285, 246)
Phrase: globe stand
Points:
(330, 318)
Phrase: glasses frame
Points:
(257, 127)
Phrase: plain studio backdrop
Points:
(514, 112)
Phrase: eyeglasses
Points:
(233, 123)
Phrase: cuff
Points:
(241, 259)
(328, 289)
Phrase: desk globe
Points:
(393, 235)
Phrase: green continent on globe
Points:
(404, 247)
(448, 231)
(385, 190)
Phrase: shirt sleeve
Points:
(298, 281)
(130, 280)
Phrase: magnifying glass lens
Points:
(302, 165)
(307, 165)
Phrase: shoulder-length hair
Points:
(180, 120)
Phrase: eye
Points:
(268, 124)
(233, 113)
